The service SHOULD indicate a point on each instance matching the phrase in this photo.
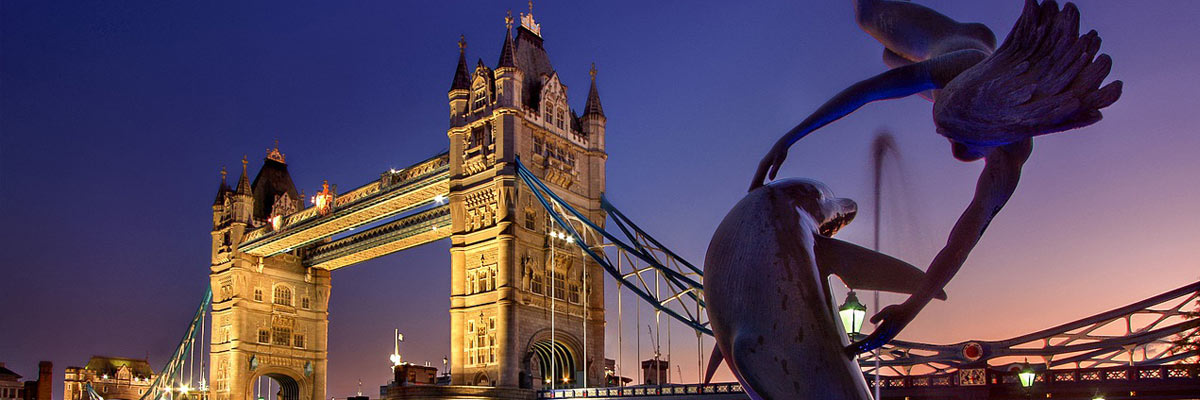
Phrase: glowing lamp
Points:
(276, 222)
(439, 199)
(1098, 397)
(395, 359)
(1026, 375)
(852, 312)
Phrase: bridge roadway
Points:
(1174, 381)
(420, 188)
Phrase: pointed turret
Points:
(507, 59)
(242, 199)
(593, 106)
(243, 184)
(509, 78)
(593, 119)
(222, 190)
(460, 89)
(462, 78)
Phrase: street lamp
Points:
(852, 313)
(1026, 374)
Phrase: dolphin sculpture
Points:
(767, 295)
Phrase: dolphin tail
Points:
(863, 268)
(714, 361)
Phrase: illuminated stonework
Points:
(272, 256)
(505, 270)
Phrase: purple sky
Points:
(115, 118)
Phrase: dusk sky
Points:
(116, 117)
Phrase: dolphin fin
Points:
(714, 361)
(866, 269)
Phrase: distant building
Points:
(11, 387)
(656, 372)
(611, 378)
(411, 374)
(111, 377)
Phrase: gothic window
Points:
(264, 336)
(562, 118)
(257, 294)
(283, 295)
(558, 290)
(492, 278)
(298, 341)
(538, 145)
(476, 136)
(530, 219)
(304, 302)
(549, 113)
(281, 336)
(480, 339)
(492, 348)
(471, 351)
(480, 97)
(574, 292)
(535, 283)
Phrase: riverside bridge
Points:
(521, 196)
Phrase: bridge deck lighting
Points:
(439, 199)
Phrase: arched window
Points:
(283, 295)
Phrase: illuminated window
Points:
(283, 295)
(257, 294)
(264, 336)
(281, 336)
(298, 341)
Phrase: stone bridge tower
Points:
(506, 271)
(269, 314)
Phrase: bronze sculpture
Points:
(988, 102)
(1044, 78)
(791, 345)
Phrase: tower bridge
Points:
(520, 195)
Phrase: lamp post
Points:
(852, 312)
(1026, 375)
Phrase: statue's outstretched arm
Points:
(996, 185)
(895, 83)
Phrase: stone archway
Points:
(545, 359)
(289, 385)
